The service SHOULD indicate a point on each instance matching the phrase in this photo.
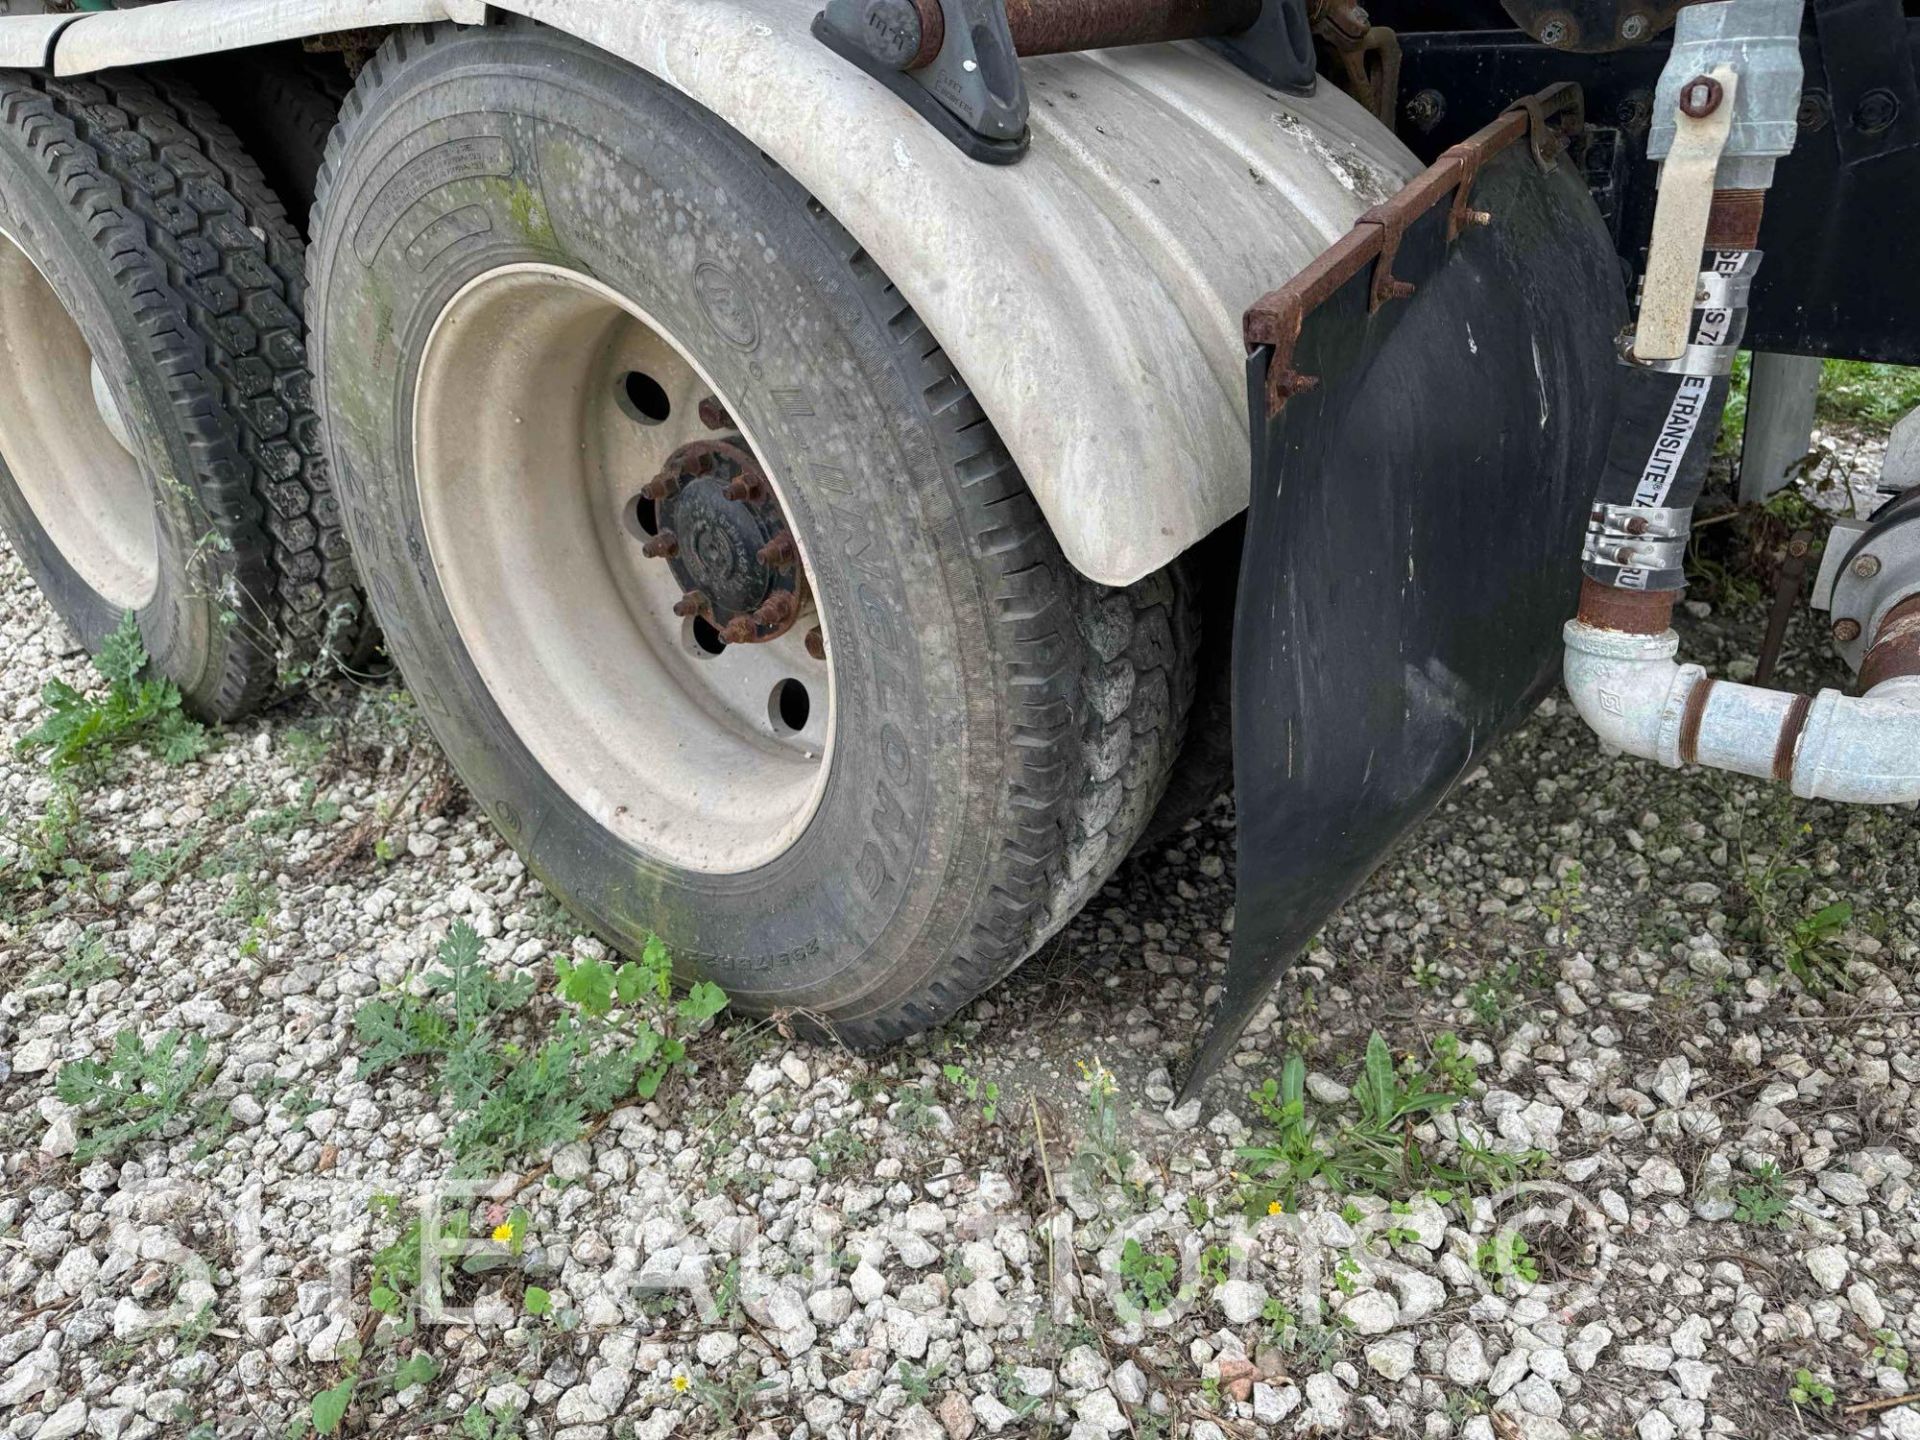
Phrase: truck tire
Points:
(161, 455)
(540, 278)
(282, 103)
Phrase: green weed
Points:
(1372, 1153)
(51, 846)
(1149, 1280)
(1809, 1389)
(79, 728)
(1506, 1259)
(138, 1090)
(1102, 1156)
(1765, 1199)
(86, 961)
(1866, 392)
(514, 1093)
(984, 1093)
(164, 865)
(477, 1422)
(1216, 1264)
(732, 1399)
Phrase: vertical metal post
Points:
(1781, 390)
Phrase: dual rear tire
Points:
(706, 568)
(513, 226)
(159, 450)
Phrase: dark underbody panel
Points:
(1418, 502)
(1839, 278)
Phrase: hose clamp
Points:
(1638, 537)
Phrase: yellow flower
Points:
(503, 1232)
(1273, 1207)
(680, 1383)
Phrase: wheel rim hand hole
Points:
(646, 518)
(788, 707)
(702, 640)
(643, 398)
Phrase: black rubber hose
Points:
(1664, 431)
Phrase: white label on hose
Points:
(1676, 433)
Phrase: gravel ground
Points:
(1668, 1191)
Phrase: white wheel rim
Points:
(527, 458)
(65, 442)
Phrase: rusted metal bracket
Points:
(1352, 37)
(1548, 120)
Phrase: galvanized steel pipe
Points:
(1859, 748)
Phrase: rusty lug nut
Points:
(777, 610)
(816, 643)
(1477, 217)
(659, 488)
(714, 415)
(778, 552)
(1867, 566)
(745, 487)
(663, 546)
(1845, 632)
(691, 603)
(1700, 96)
(738, 631)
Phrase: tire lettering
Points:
(470, 157)
(446, 232)
(871, 870)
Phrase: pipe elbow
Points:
(1628, 688)
(1864, 749)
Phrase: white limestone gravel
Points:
(793, 1241)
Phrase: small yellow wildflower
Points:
(680, 1383)
(1273, 1207)
(503, 1232)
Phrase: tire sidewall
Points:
(538, 149)
(176, 624)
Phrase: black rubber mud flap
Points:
(1423, 467)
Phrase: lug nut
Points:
(663, 546)
(1845, 632)
(777, 610)
(745, 487)
(778, 552)
(659, 488)
(714, 415)
(816, 643)
(691, 603)
(738, 631)
(1867, 566)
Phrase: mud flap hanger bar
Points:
(956, 62)
(1550, 120)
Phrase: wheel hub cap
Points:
(719, 528)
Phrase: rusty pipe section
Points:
(1054, 27)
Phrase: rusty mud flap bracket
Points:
(1430, 401)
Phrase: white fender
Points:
(1091, 294)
